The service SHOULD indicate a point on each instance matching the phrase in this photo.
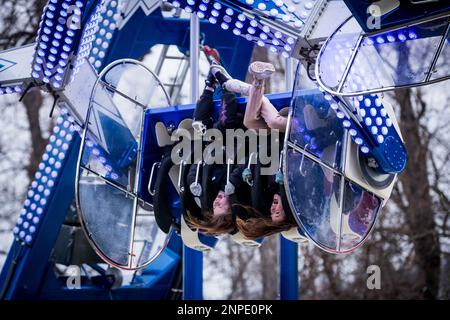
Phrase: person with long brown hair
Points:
(273, 214)
(210, 190)
(270, 213)
(210, 215)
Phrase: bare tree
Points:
(19, 21)
(410, 240)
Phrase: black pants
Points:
(229, 118)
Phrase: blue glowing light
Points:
(108, 20)
(402, 35)
(248, 25)
(63, 33)
(375, 134)
(46, 178)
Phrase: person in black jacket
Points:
(255, 220)
(220, 201)
(213, 188)
(270, 212)
(214, 197)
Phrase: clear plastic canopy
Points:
(333, 211)
(353, 63)
(120, 225)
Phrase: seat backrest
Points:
(161, 206)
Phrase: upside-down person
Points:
(271, 214)
(210, 186)
(254, 225)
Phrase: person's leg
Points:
(260, 113)
(203, 109)
(271, 116)
(259, 107)
(229, 117)
(255, 92)
(252, 117)
(238, 86)
(203, 118)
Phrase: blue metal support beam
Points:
(289, 279)
(193, 260)
(192, 274)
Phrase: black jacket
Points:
(213, 179)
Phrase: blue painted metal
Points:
(152, 284)
(133, 40)
(24, 283)
(192, 274)
(235, 17)
(28, 272)
(289, 277)
(407, 12)
(374, 132)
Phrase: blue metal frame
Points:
(192, 274)
(28, 271)
(289, 277)
(133, 42)
(404, 14)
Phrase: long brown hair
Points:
(258, 225)
(211, 225)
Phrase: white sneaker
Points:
(238, 86)
(261, 70)
(217, 68)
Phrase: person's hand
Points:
(229, 189)
(196, 189)
(247, 176)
